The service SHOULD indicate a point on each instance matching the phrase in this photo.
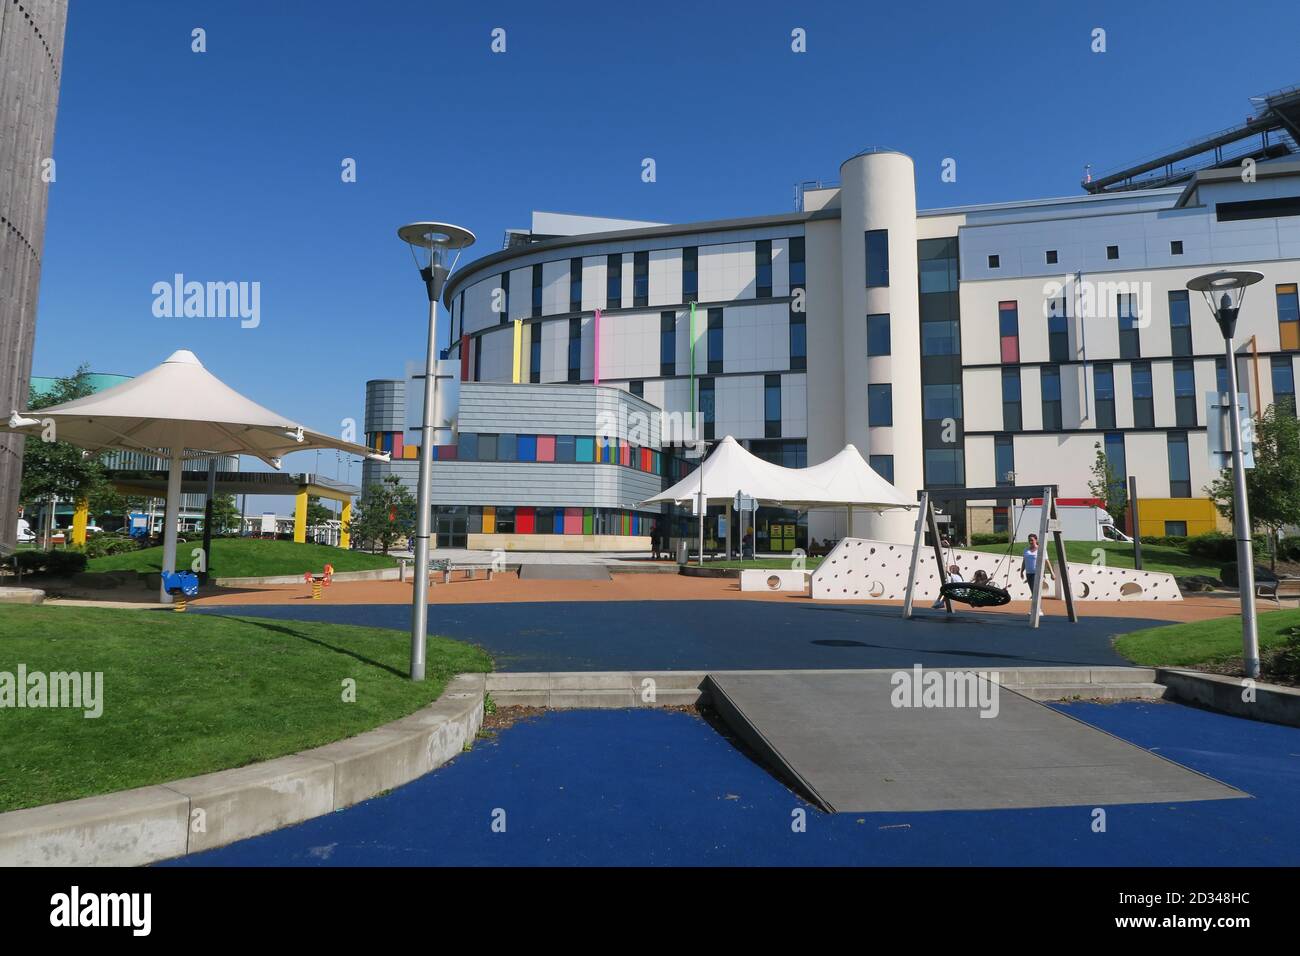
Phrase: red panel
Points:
(1010, 348)
(546, 448)
(525, 520)
(397, 444)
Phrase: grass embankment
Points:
(765, 564)
(249, 557)
(185, 694)
(1155, 557)
(1203, 642)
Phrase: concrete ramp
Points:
(545, 571)
(840, 741)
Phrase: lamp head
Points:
(1224, 292)
(435, 246)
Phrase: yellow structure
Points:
(1199, 515)
(79, 522)
(300, 512)
(517, 376)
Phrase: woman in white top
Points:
(1031, 561)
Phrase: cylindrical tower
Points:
(879, 275)
(31, 56)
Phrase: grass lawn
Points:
(249, 557)
(1202, 642)
(765, 564)
(185, 694)
(1155, 557)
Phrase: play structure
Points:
(863, 569)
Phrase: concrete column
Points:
(879, 192)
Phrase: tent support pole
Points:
(171, 516)
(922, 517)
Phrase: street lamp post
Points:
(1224, 292)
(435, 246)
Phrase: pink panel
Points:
(546, 448)
(573, 521)
(1010, 348)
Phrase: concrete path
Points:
(844, 741)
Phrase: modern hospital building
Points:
(966, 346)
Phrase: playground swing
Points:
(985, 593)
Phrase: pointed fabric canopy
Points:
(848, 479)
(178, 404)
(178, 409)
(843, 480)
(732, 469)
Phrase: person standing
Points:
(1031, 562)
(656, 541)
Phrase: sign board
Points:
(1218, 429)
(268, 522)
(745, 502)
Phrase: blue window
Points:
(1180, 322)
(1144, 413)
(1180, 469)
(565, 448)
(690, 274)
(715, 339)
(763, 268)
(941, 401)
(467, 446)
(877, 249)
(883, 465)
(880, 405)
(584, 448)
(575, 285)
(798, 269)
(527, 445)
(878, 335)
(771, 406)
(613, 281)
(667, 343)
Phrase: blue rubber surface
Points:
(651, 787)
(734, 635)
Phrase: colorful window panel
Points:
(546, 448)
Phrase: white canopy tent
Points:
(732, 469)
(177, 410)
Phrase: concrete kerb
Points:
(1271, 703)
(148, 824)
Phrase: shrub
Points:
(1165, 540)
(985, 537)
(1217, 546)
(104, 544)
(61, 563)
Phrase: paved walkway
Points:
(634, 788)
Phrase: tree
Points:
(55, 469)
(1272, 488)
(317, 513)
(385, 513)
(225, 513)
(1108, 485)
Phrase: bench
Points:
(446, 569)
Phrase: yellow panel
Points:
(79, 522)
(345, 518)
(1199, 513)
(1284, 289)
(411, 451)
(300, 517)
(489, 519)
(519, 349)
(1290, 335)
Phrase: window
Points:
(1004, 460)
(995, 262)
(1180, 323)
(575, 285)
(505, 519)
(1176, 247)
(1009, 330)
(1011, 417)
(715, 339)
(1180, 469)
(690, 274)
(1058, 334)
(1126, 308)
(944, 466)
(575, 350)
(1050, 377)
(940, 338)
(883, 465)
(1184, 395)
(478, 360)
(1117, 462)
(880, 405)
(1283, 382)
(941, 401)
(1175, 529)
(763, 268)
(1051, 257)
(1103, 384)
(526, 447)
(1288, 317)
(877, 335)
(460, 313)
(640, 279)
(771, 406)
(467, 446)
(506, 448)
(537, 291)
(1143, 396)
(667, 343)
(707, 409)
(1112, 252)
(565, 448)
(535, 354)
(877, 245)
(1257, 209)
(798, 339)
(613, 281)
(637, 388)
(798, 269)
(505, 297)
(487, 447)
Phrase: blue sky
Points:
(225, 165)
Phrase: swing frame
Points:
(1049, 524)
